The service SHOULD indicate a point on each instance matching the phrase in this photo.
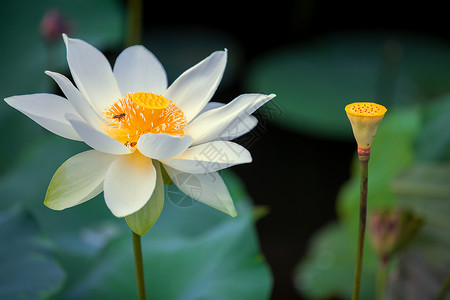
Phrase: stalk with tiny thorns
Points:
(139, 266)
(363, 155)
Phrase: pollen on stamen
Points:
(128, 119)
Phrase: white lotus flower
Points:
(139, 129)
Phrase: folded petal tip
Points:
(233, 213)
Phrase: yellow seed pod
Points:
(365, 117)
(150, 100)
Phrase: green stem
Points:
(139, 266)
(364, 166)
(134, 22)
(382, 277)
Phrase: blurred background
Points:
(300, 194)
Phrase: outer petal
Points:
(238, 127)
(138, 70)
(77, 99)
(129, 183)
(211, 105)
(96, 139)
(92, 73)
(210, 189)
(209, 157)
(48, 111)
(79, 179)
(213, 123)
(162, 145)
(142, 220)
(195, 87)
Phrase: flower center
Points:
(365, 109)
(140, 113)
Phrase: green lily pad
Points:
(28, 269)
(315, 81)
(424, 189)
(222, 262)
(202, 251)
(433, 143)
(328, 267)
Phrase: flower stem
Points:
(364, 155)
(139, 266)
(134, 22)
(382, 276)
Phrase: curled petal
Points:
(209, 157)
(215, 122)
(96, 139)
(238, 128)
(209, 189)
(77, 99)
(162, 145)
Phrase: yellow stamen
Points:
(150, 100)
(140, 113)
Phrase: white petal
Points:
(195, 87)
(142, 220)
(138, 70)
(92, 73)
(77, 99)
(96, 139)
(206, 188)
(238, 127)
(213, 123)
(162, 145)
(129, 184)
(79, 179)
(209, 157)
(48, 111)
(211, 105)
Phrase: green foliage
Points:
(409, 161)
(434, 141)
(26, 55)
(192, 45)
(220, 262)
(328, 268)
(25, 52)
(338, 240)
(27, 264)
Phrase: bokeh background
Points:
(317, 56)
